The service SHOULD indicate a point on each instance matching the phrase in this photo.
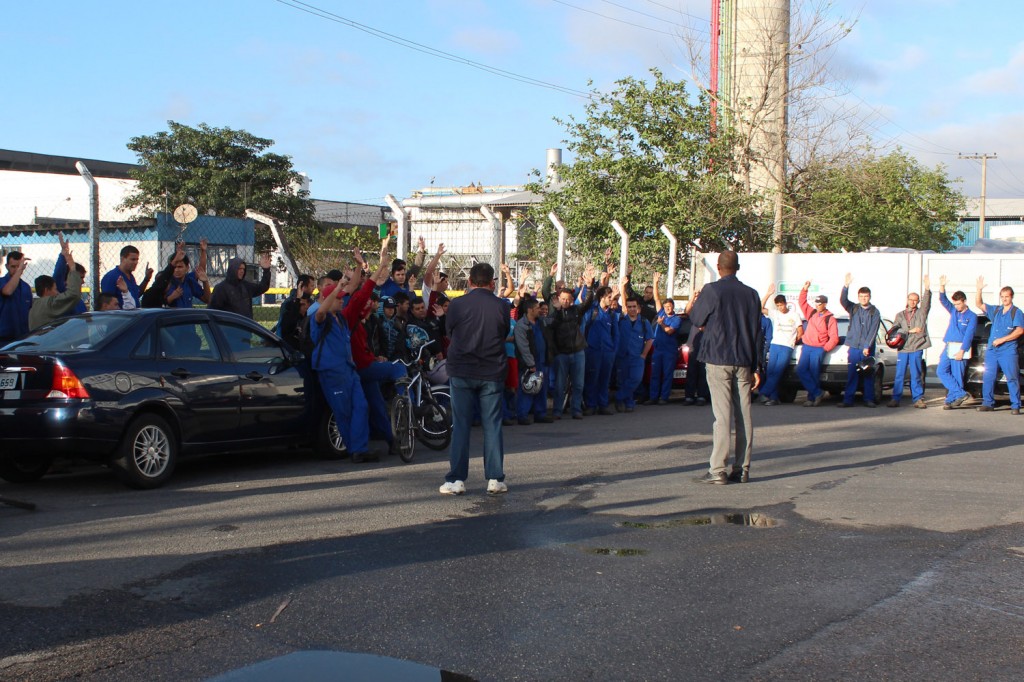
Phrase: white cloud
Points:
(1002, 80)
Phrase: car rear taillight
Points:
(65, 384)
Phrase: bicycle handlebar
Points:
(419, 356)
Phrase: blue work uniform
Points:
(959, 335)
(665, 354)
(60, 275)
(14, 311)
(599, 327)
(332, 360)
(1002, 358)
(108, 285)
(634, 336)
(190, 288)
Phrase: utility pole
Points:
(981, 207)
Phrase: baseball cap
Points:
(821, 298)
(388, 302)
(328, 290)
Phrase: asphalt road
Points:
(869, 544)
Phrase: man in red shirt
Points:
(821, 336)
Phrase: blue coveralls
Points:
(1002, 358)
(664, 355)
(14, 311)
(602, 339)
(108, 285)
(959, 335)
(633, 336)
(342, 388)
(190, 288)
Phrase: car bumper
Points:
(63, 429)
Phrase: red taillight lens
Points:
(65, 384)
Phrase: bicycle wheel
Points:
(435, 422)
(402, 427)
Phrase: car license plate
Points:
(8, 382)
(679, 374)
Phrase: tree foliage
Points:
(871, 201)
(645, 155)
(217, 169)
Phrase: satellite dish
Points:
(185, 214)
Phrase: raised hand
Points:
(422, 243)
(927, 282)
(440, 250)
(122, 286)
(981, 283)
(265, 261)
(848, 280)
(942, 281)
(657, 278)
(438, 310)
(807, 285)
(554, 269)
(149, 271)
(203, 243)
(771, 288)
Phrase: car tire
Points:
(148, 453)
(329, 443)
(878, 379)
(24, 468)
(787, 394)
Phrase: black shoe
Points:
(713, 479)
(740, 476)
(620, 406)
(893, 403)
(587, 411)
(844, 404)
(508, 422)
(606, 411)
(395, 448)
(577, 415)
(526, 422)
(663, 402)
(544, 420)
(629, 409)
(362, 457)
(986, 408)
(769, 402)
(870, 403)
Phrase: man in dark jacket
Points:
(478, 324)
(235, 294)
(570, 346)
(730, 313)
(860, 340)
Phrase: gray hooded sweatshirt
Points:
(235, 295)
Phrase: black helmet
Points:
(895, 338)
(866, 367)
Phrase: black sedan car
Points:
(137, 390)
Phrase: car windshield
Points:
(81, 332)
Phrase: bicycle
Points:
(420, 411)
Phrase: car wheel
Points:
(24, 468)
(330, 444)
(787, 394)
(878, 384)
(148, 453)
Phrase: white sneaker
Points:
(495, 487)
(453, 488)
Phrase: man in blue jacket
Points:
(600, 328)
(860, 340)
(730, 313)
(15, 299)
(1001, 352)
(952, 362)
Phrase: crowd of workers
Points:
(593, 348)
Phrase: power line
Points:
(611, 18)
(425, 49)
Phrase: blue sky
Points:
(364, 117)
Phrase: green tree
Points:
(646, 155)
(869, 201)
(220, 170)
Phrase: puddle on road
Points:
(338, 666)
(611, 551)
(754, 520)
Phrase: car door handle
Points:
(181, 373)
(254, 375)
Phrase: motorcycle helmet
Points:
(438, 372)
(533, 383)
(417, 337)
(866, 367)
(895, 338)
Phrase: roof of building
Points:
(64, 165)
(351, 213)
(995, 208)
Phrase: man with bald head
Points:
(730, 314)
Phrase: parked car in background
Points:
(834, 368)
(975, 378)
(139, 390)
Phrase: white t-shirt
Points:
(784, 326)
